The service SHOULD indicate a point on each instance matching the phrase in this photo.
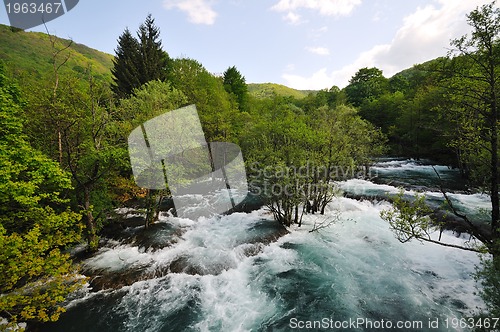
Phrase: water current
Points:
(231, 273)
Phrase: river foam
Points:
(230, 279)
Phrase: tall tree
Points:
(366, 85)
(139, 60)
(35, 224)
(217, 113)
(125, 70)
(235, 84)
(149, 101)
(153, 59)
(476, 91)
(91, 152)
(473, 99)
(88, 141)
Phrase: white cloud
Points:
(198, 11)
(292, 18)
(424, 35)
(319, 80)
(325, 7)
(318, 50)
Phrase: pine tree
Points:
(139, 60)
(125, 70)
(153, 60)
(235, 83)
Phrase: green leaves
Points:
(35, 224)
(409, 219)
(366, 85)
(138, 61)
(293, 156)
(235, 84)
(218, 113)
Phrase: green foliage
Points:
(475, 95)
(332, 98)
(294, 156)
(35, 223)
(147, 102)
(73, 123)
(125, 71)
(138, 61)
(235, 84)
(28, 56)
(488, 276)
(366, 85)
(269, 90)
(153, 62)
(219, 115)
(385, 111)
(409, 219)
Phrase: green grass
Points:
(267, 90)
(28, 56)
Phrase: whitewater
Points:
(241, 272)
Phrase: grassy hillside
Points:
(266, 90)
(28, 56)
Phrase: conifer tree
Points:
(125, 71)
(139, 60)
(235, 83)
(153, 60)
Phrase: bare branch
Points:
(476, 232)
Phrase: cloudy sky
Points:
(304, 44)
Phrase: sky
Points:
(303, 44)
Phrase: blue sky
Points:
(304, 44)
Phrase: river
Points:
(230, 274)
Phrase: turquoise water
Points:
(231, 279)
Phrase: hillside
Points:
(28, 56)
(266, 90)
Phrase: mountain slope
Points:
(28, 56)
(267, 90)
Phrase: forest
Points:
(65, 117)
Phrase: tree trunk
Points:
(152, 207)
(495, 208)
(92, 238)
(59, 138)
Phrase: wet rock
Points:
(250, 203)
(157, 236)
(252, 249)
(113, 280)
(162, 235)
(183, 264)
(119, 228)
(266, 232)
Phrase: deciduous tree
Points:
(35, 223)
